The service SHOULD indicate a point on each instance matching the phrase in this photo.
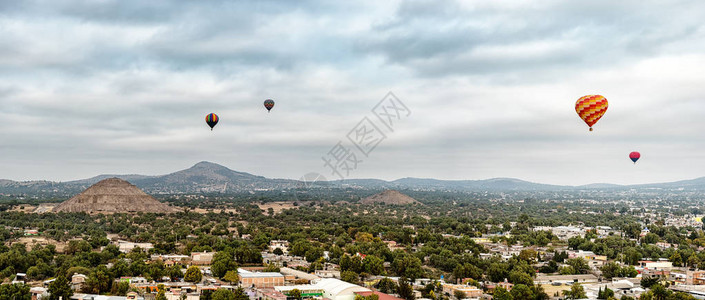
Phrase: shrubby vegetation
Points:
(345, 229)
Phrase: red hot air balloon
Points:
(211, 120)
(634, 156)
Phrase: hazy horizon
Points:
(352, 178)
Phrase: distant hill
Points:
(487, 184)
(204, 177)
(207, 177)
(390, 197)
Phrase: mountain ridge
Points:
(208, 177)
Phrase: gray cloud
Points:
(123, 86)
(502, 38)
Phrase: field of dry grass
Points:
(31, 241)
(552, 289)
(278, 207)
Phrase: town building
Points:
(470, 291)
(127, 247)
(281, 244)
(656, 265)
(133, 296)
(77, 281)
(39, 293)
(202, 258)
(695, 277)
(260, 279)
(297, 275)
(620, 288)
(330, 288)
(269, 294)
(565, 279)
(328, 273)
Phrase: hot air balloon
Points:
(634, 156)
(212, 119)
(268, 104)
(591, 108)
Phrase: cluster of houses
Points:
(326, 283)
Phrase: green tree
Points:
(223, 294)
(223, 261)
(648, 282)
(120, 288)
(409, 266)
(522, 292)
(467, 271)
(174, 272)
(650, 238)
(576, 292)
(156, 270)
(295, 293)
(459, 294)
(676, 260)
(161, 295)
(60, 288)
(387, 286)
(99, 281)
(231, 277)
(551, 267)
(497, 272)
(405, 290)
(373, 265)
(518, 277)
(193, 274)
(579, 265)
(14, 292)
(350, 276)
(660, 292)
(611, 269)
(606, 294)
(239, 294)
(528, 255)
(501, 293)
(345, 263)
(681, 296)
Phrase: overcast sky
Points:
(122, 86)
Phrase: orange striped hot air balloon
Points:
(591, 108)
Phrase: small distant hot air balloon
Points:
(268, 104)
(211, 120)
(591, 108)
(634, 156)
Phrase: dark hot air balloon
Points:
(211, 120)
(268, 104)
(590, 108)
(634, 156)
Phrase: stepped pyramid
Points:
(390, 197)
(113, 195)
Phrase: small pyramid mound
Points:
(390, 197)
(113, 195)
